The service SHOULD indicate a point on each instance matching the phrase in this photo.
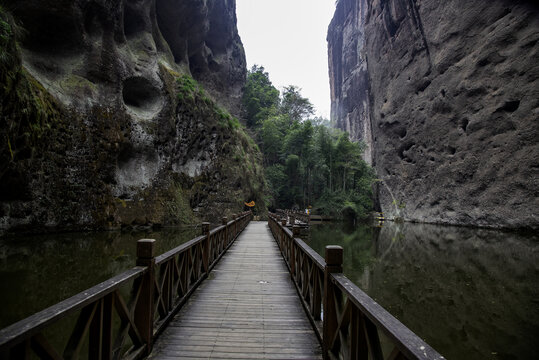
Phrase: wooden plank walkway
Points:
(248, 308)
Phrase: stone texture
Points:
(117, 145)
(446, 97)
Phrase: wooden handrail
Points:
(171, 253)
(306, 268)
(160, 286)
(351, 319)
(33, 324)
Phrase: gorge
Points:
(126, 124)
(122, 114)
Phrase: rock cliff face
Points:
(446, 97)
(116, 113)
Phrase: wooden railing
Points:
(106, 326)
(346, 320)
(293, 215)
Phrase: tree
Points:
(306, 161)
(298, 139)
(294, 105)
(260, 98)
(271, 135)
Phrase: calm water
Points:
(39, 271)
(470, 293)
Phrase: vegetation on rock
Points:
(64, 168)
(26, 111)
(240, 162)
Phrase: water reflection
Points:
(470, 293)
(39, 271)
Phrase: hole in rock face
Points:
(142, 97)
(509, 106)
(401, 132)
(464, 124)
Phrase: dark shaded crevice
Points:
(134, 22)
(509, 106)
(463, 124)
(50, 32)
(416, 17)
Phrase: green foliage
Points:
(240, 156)
(306, 162)
(177, 205)
(188, 88)
(9, 32)
(260, 98)
(294, 105)
(277, 181)
(5, 35)
(313, 165)
(26, 108)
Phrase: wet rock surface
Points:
(445, 95)
(114, 133)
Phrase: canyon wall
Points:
(121, 113)
(446, 97)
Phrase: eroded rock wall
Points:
(102, 124)
(446, 96)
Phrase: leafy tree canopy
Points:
(294, 105)
(307, 163)
(260, 98)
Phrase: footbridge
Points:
(243, 290)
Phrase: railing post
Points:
(292, 220)
(144, 310)
(224, 221)
(292, 261)
(206, 252)
(235, 217)
(334, 260)
(283, 233)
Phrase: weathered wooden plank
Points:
(247, 308)
(211, 355)
(179, 249)
(295, 343)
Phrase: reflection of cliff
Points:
(474, 288)
(358, 248)
(44, 270)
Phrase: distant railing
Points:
(346, 320)
(108, 327)
(293, 215)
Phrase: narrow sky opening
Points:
(288, 38)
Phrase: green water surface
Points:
(470, 293)
(41, 270)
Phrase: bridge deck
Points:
(248, 308)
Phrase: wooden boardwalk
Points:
(248, 308)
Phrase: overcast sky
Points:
(288, 38)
